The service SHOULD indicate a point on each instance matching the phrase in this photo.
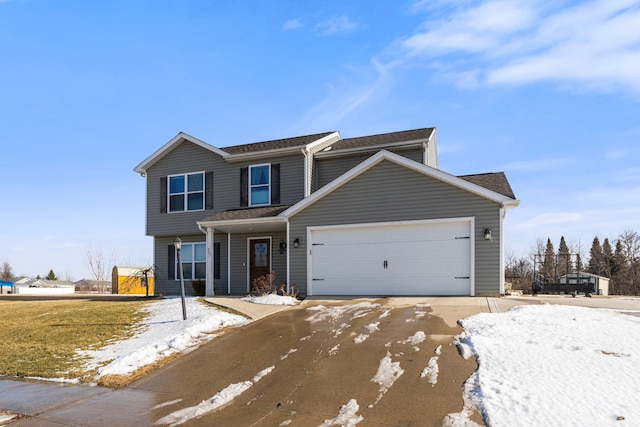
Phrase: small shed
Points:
(132, 280)
(6, 287)
(600, 284)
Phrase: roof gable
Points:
(403, 161)
(170, 145)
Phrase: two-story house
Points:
(371, 215)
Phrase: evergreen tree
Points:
(607, 257)
(51, 276)
(564, 258)
(618, 270)
(549, 264)
(596, 258)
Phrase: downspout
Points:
(288, 261)
(503, 214)
(307, 189)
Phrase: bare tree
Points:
(100, 266)
(6, 272)
(518, 271)
(630, 243)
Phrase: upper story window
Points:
(186, 192)
(259, 185)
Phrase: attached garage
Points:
(433, 257)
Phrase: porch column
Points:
(210, 264)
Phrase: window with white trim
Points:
(186, 192)
(260, 185)
(194, 261)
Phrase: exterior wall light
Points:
(296, 243)
(487, 234)
(283, 247)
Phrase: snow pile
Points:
(415, 339)
(554, 365)
(387, 374)
(432, 369)
(221, 398)
(161, 334)
(333, 313)
(271, 299)
(371, 327)
(348, 416)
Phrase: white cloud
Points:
(595, 44)
(335, 25)
(536, 165)
(341, 101)
(292, 24)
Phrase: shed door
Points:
(428, 258)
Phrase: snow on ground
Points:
(347, 417)
(388, 372)
(221, 398)
(432, 369)
(5, 416)
(553, 365)
(271, 299)
(161, 334)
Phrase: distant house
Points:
(93, 286)
(600, 285)
(371, 215)
(29, 286)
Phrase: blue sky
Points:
(546, 91)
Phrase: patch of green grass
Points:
(39, 338)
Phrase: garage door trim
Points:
(469, 220)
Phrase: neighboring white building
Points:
(28, 286)
(601, 284)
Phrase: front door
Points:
(259, 259)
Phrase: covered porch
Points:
(244, 244)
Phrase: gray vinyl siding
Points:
(329, 168)
(390, 192)
(239, 261)
(188, 157)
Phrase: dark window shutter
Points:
(163, 194)
(275, 184)
(216, 260)
(171, 267)
(244, 186)
(208, 190)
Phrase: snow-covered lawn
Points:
(161, 334)
(553, 365)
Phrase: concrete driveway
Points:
(320, 356)
(324, 354)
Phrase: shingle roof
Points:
(247, 213)
(384, 138)
(496, 181)
(297, 141)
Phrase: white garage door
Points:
(426, 258)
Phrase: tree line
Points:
(617, 259)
